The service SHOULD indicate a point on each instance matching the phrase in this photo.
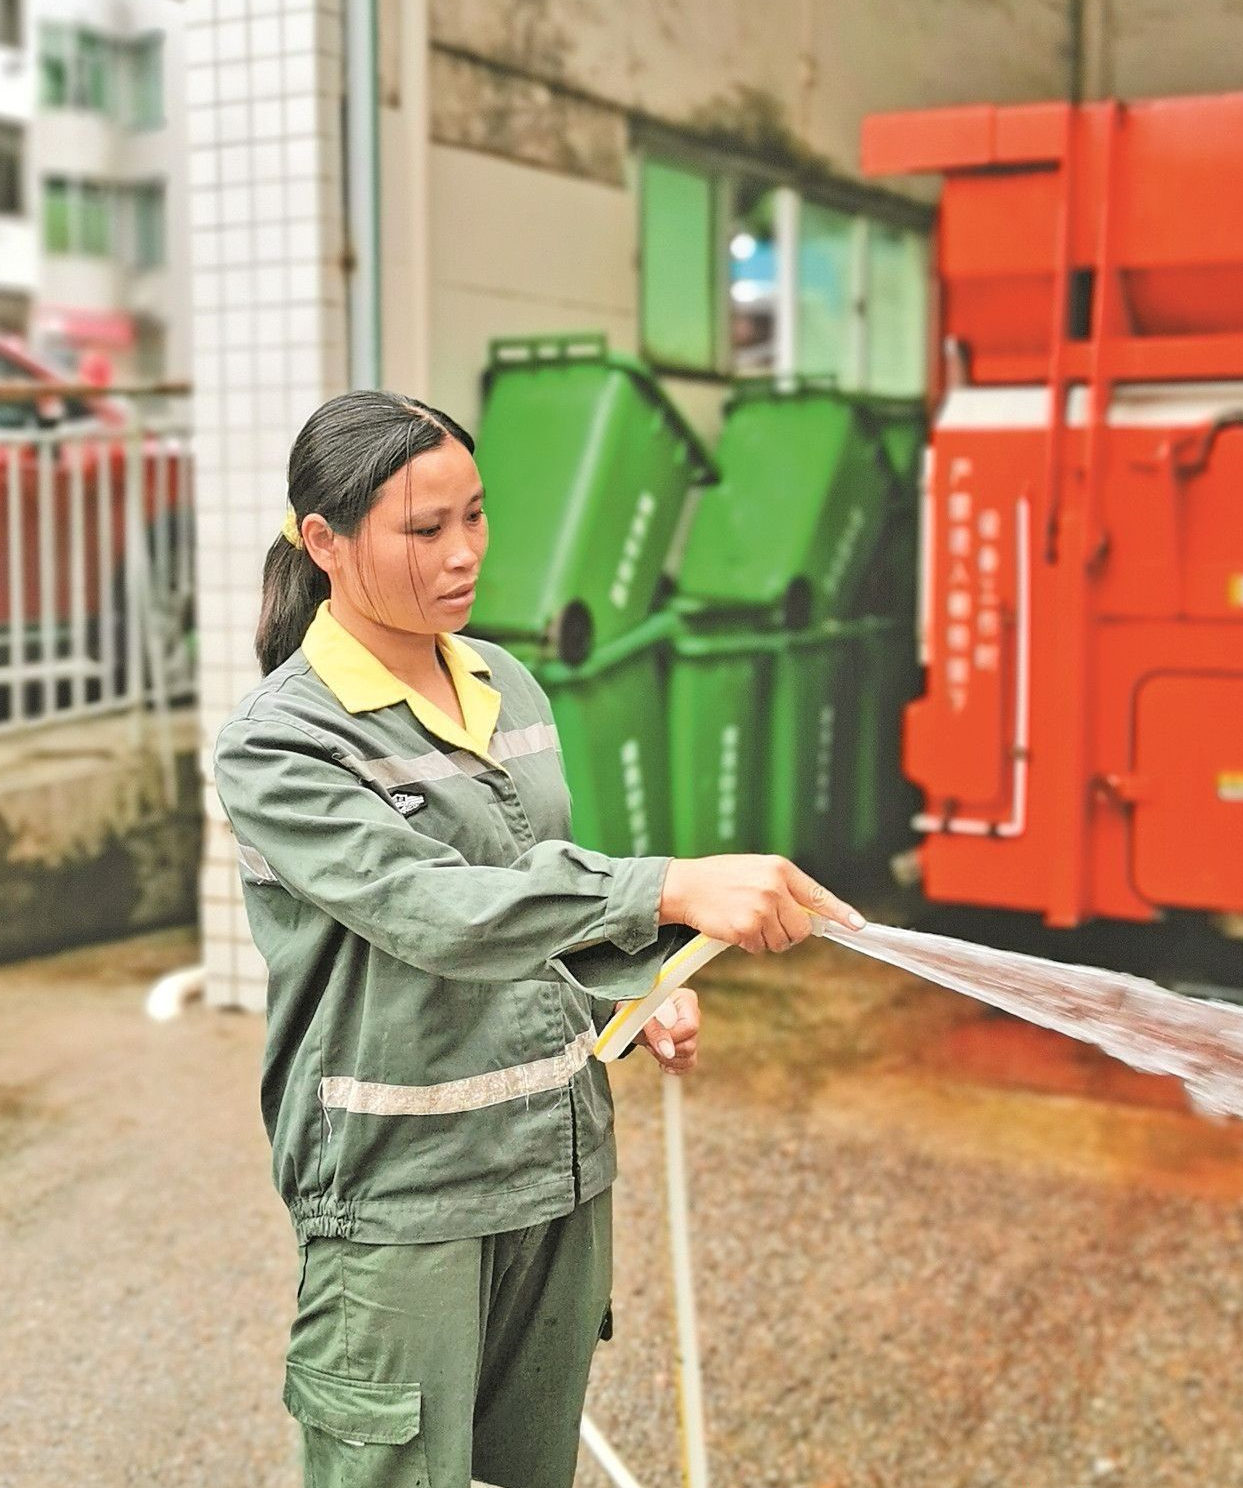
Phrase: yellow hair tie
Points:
(292, 528)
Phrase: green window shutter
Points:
(145, 77)
(681, 266)
(148, 227)
(96, 220)
(825, 292)
(94, 72)
(56, 238)
(897, 310)
(53, 66)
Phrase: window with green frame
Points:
(57, 236)
(710, 261)
(53, 65)
(77, 217)
(93, 84)
(144, 75)
(79, 67)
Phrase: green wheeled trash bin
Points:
(812, 747)
(718, 708)
(587, 467)
(610, 718)
(801, 507)
(887, 678)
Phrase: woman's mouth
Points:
(460, 599)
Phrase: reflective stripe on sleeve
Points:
(368, 1098)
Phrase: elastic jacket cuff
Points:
(620, 960)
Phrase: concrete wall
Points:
(92, 846)
(815, 69)
(516, 250)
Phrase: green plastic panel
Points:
(826, 295)
(679, 270)
(897, 297)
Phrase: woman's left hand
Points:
(674, 1044)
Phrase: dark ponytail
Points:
(343, 454)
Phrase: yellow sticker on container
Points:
(1230, 786)
(1234, 591)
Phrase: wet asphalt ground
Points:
(933, 1251)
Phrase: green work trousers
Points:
(438, 1365)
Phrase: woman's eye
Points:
(475, 516)
(426, 531)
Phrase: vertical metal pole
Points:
(136, 579)
(47, 574)
(17, 584)
(362, 156)
(690, 1392)
(77, 574)
(106, 605)
(786, 233)
(157, 464)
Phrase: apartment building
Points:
(93, 273)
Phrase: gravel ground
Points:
(904, 1278)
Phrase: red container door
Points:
(1188, 848)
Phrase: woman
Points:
(440, 956)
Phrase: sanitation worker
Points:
(440, 955)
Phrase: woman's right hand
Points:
(752, 900)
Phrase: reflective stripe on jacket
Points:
(439, 952)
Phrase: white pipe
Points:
(1017, 824)
(614, 1468)
(171, 994)
(690, 1392)
(362, 196)
(413, 41)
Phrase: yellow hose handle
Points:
(620, 1031)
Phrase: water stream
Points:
(1145, 1025)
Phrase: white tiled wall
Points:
(263, 91)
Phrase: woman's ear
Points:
(319, 540)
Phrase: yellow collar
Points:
(361, 682)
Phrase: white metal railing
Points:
(96, 569)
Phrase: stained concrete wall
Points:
(95, 840)
(814, 69)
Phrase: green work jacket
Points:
(440, 953)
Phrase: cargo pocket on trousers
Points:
(357, 1433)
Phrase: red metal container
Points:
(1080, 740)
